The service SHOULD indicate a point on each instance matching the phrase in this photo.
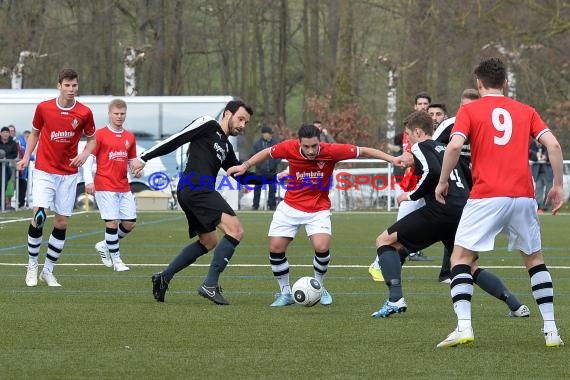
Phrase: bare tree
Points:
(103, 16)
(17, 72)
(310, 26)
(175, 47)
(244, 44)
(277, 53)
(330, 46)
(391, 95)
(282, 61)
(416, 46)
(514, 60)
(260, 50)
(131, 59)
(224, 45)
(344, 77)
(156, 11)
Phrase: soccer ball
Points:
(307, 291)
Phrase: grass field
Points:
(102, 324)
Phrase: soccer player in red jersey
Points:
(116, 148)
(431, 223)
(307, 202)
(502, 197)
(58, 125)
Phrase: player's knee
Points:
(392, 282)
(379, 242)
(60, 222)
(129, 225)
(237, 232)
(39, 218)
(382, 240)
(321, 247)
(277, 246)
(209, 244)
(112, 224)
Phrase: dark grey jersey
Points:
(209, 150)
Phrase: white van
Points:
(150, 118)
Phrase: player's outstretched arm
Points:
(260, 156)
(407, 159)
(375, 153)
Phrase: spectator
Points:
(12, 130)
(265, 168)
(10, 188)
(541, 173)
(438, 113)
(22, 174)
(325, 136)
(10, 148)
(3, 175)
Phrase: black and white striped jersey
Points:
(428, 159)
(442, 134)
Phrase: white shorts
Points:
(116, 206)
(54, 191)
(287, 220)
(407, 207)
(483, 219)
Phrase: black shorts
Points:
(426, 226)
(203, 210)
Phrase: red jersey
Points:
(409, 180)
(310, 180)
(405, 143)
(499, 129)
(60, 131)
(113, 152)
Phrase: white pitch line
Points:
(267, 265)
(27, 219)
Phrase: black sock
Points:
(445, 271)
(34, 241)
(122, 232)
(493, 285)
(321, 262)
(403, 253)
(389, 261)
(222, 255)
(187, 256)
